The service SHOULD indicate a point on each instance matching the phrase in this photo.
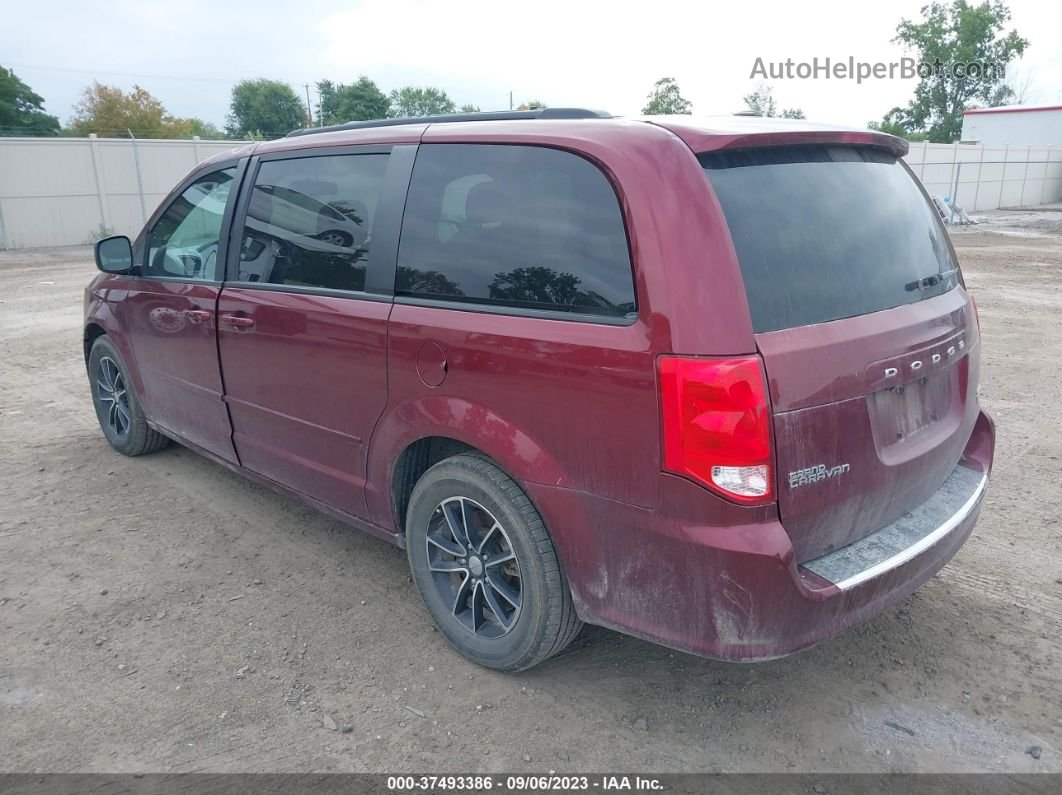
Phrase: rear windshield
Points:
(828, 232)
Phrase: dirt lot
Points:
(162, 614)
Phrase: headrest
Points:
(486, 204)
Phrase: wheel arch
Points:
(101, 322)
(93, 331)
(415, 436)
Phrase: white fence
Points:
(989, 177)
(66, 191)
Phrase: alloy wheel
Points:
(474, 567)
(338, 239)
(113, 396)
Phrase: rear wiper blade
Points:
(930, 281)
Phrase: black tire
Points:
(117, 406)
(339, 238)
(544, 621)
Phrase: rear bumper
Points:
(908, 537)
(736, 592)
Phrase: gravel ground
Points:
(162, 614)
(1044, 221)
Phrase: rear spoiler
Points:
(890, 143)
(710, 142)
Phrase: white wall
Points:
(989, 177)
(64, 191)
(1016, 127)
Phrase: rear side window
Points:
(516, 226)
(309, 221)
(828, 232)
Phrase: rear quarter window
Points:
(516, 226)
(828, 232)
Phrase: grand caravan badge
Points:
(803, 477)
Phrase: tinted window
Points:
(184, 241)
(824, 233)
(309, 221)
(514, 225)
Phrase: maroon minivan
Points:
(712, 383)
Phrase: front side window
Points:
(309, 221)
(184, 241)
(518, 226)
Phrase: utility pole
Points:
(139, 179)
(309, 113)
(510, 100)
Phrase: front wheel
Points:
(486, 567)
(117, 407)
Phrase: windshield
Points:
(828, 232)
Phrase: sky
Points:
(603, 55)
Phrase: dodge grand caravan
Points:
(712, 383)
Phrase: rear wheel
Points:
(117, 407)
(486, 567)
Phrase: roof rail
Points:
(496, 115)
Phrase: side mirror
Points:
(114, 254)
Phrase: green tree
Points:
(112, 113)
(762, 103)
(416, 101)
(894, 123)
(430, 282)
(469, 109)
(204, 129)
(542, 285)
(950, 42)
(362, 100)
(535, 104)
(264, 108)
(665, 99)
(535, 284)
(22, 109)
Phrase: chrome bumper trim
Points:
(822, 565)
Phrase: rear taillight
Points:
(716, 423)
